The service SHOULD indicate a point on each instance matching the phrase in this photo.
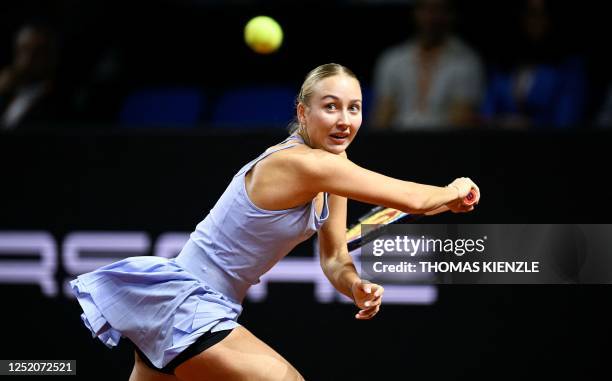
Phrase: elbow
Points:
(329, 265)
(328, 261)
(332, 261)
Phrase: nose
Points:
(344, 120)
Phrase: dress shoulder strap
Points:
(291, 141)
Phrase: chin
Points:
(336, 148)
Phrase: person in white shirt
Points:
(430, 82)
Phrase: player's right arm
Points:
(322, 171)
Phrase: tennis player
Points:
(181, 313)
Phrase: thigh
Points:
(240, 356)
(142, 372)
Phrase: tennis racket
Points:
(385, 216)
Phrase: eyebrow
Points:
(336, 98)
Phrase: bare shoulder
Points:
(300, 159)
(306, 170)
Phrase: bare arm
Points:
(336, 262)
(322, 171)
(439, 210)
(338, 266)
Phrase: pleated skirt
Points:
(160, 306)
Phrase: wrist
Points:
(454, 191)
(353, 284)
(351, 294)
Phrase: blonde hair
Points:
(312, 78)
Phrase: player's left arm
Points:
(338, 265)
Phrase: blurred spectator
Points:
(28, 93)
(605, 115)
(539, 85)
(103, 88)
(432, 81)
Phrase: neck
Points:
(303, 134)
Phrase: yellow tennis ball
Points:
(263, 34)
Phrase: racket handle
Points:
(471, 198)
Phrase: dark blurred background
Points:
(107, 50)
(133, 116)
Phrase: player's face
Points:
(334, 115)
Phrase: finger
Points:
(367, 311)
(475, 187)
(366, 287)
(374, 298)
(379, 291)
(367, 314)
(359, 317)
(364, 317)
(371, 303)
(377, 297)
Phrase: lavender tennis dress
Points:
(164, 305)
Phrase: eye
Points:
(355, 108)
(331, 106)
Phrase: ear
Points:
(301, 113)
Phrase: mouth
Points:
(339, 138)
